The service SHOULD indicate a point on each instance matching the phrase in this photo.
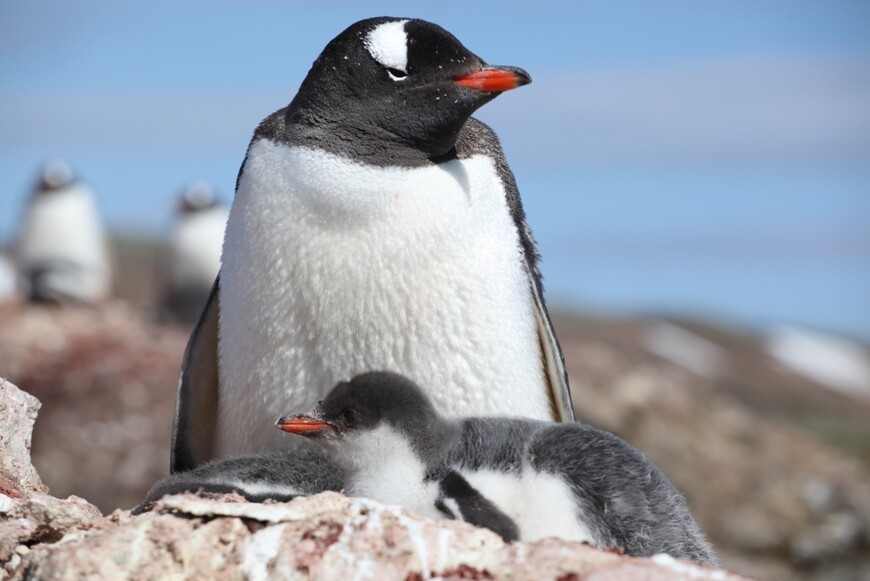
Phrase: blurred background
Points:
(697, 176)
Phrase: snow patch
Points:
(684, 348)
(834, 362)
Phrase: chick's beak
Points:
(494, 79)
(302, 424)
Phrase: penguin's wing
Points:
(193, 429)
(278, 474)
(477, 138)
(474, 507)
(554, 360)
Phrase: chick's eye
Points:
(397, 74)
(349, 416)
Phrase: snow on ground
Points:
(834, 362)
(684, 348)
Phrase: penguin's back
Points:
(622, 498)
(578, 483)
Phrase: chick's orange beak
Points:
(302, 424)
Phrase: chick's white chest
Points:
(380, 464)
(332, 268)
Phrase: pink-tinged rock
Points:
(327, 536)
(18, 412)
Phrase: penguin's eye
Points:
(350, 416)
(396, 74)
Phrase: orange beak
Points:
(302, 424)
(495, 79)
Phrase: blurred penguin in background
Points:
(194, 252)
(62, 252)
(7, 278)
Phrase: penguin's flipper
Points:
(477, 138)
(554, 361)
(193, 429)
(279, 475)
(474, 508)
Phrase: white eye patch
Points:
(388, 45)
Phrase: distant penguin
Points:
(278, 475)
(62, 253)
(194, 251)
(522, 478)
(7, 279)
(375, 225)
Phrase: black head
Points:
(55, 175)
(395, 88)
(364, 403)
(197, 197)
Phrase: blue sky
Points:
(703, 157)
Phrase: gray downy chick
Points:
(523, 479)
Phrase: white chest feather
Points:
(332, 268)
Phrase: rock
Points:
(18, 411)
(833, 539)
(106, 376)
(41, 518)
(327, 536)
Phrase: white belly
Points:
(195, 249)
(540, 504)
(64, 227)
(332, 268)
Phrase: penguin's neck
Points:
(372, 145)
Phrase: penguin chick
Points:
(566, 480)
(278, 475)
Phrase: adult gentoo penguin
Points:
(521, 478)
(62, 254)
(7, 278)
(375, 226)
(193, 256)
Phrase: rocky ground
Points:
(106, 377)
(777, 500)
(327, 536)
